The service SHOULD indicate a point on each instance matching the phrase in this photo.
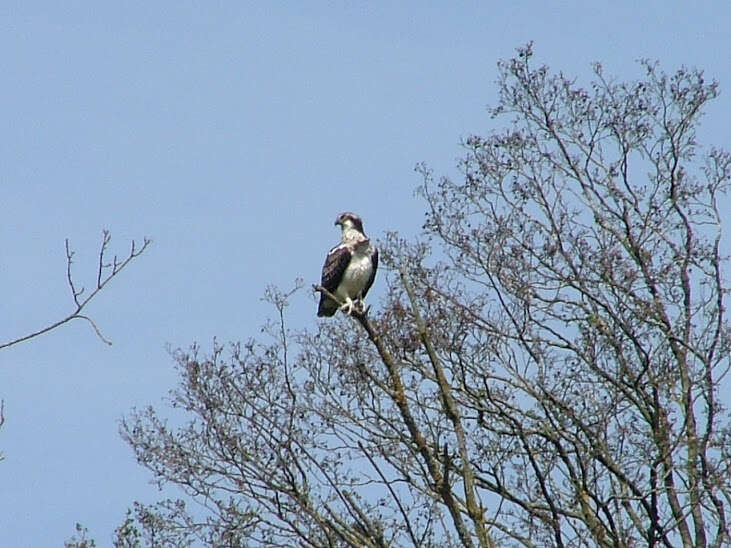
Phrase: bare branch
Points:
(102, 280)
(69, 260)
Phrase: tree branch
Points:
(400, 399)
(102, 279)
(450, 408)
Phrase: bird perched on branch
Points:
(349, 270)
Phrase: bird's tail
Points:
(327, 307)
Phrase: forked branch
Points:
(106, 270)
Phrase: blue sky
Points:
(232, 133)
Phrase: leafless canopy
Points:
(544, 370)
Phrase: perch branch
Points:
(354, 313)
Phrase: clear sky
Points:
(232, 133)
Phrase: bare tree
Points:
(544, 371)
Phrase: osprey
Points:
(350, 267)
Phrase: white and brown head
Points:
(351, 225)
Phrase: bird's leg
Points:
(347, 306)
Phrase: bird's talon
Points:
(348, 306)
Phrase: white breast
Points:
(356, 275)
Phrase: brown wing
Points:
(369, 283)
(332, 272)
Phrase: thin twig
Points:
(2, 420)
(96, 329)
(69, 260)
(393, 494)
(105, 242)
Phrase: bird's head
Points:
(349, 221)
